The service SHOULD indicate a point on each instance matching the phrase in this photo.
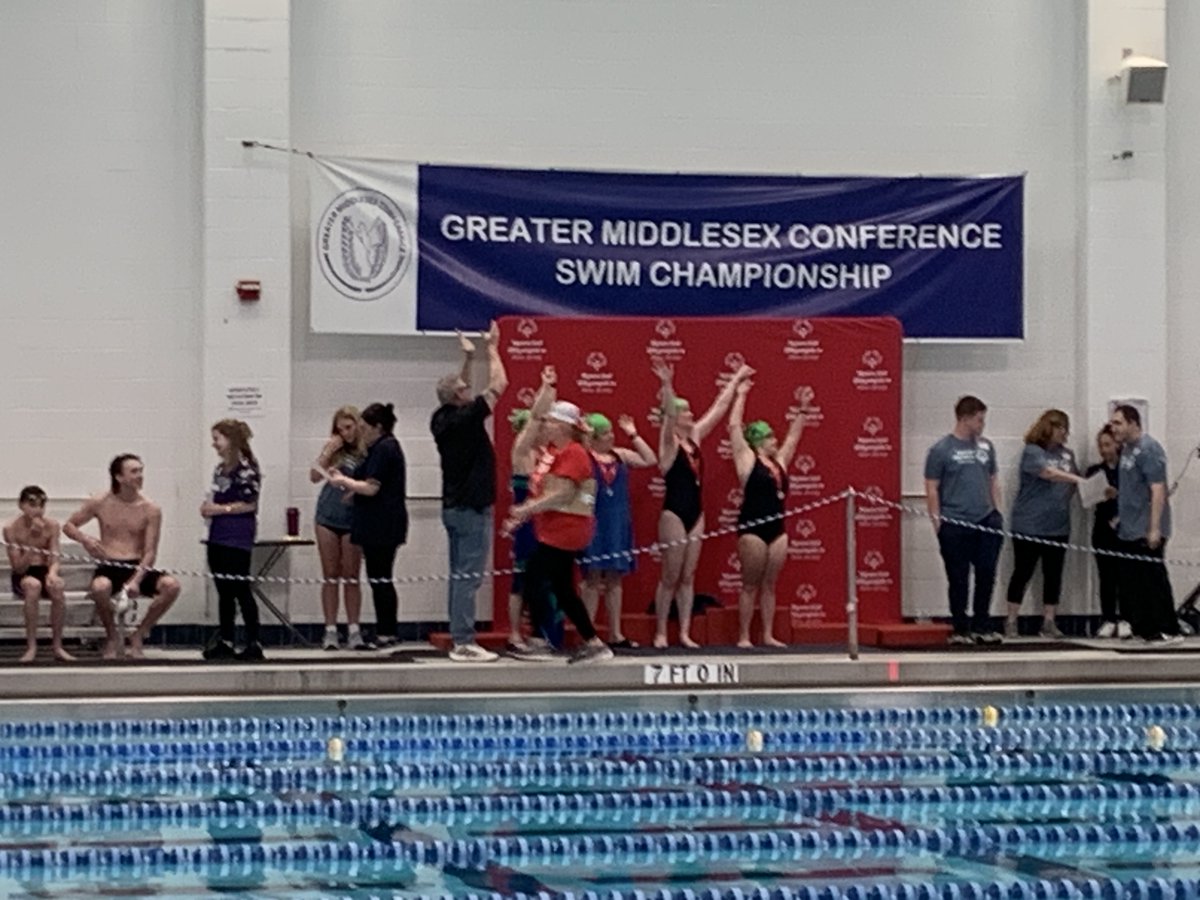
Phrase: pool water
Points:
(1022, 801)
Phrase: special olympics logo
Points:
(873, 559)
(802, 328)
(596, 360)
(527, 328)
(873, 492)
(872, 425)
(734, 563)
(665, 329)
(806, 592)
(805, 463)
(525, 395)
(872, 359)
(734, 360)
(804, 395)
(981, 455)
(364, 244)
(735, 497)
(806, 528)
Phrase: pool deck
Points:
(416, 670)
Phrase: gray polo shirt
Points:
(963, 471)
(1143, 463)
(1043, 508)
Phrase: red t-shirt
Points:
(571, 528)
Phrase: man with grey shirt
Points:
(961, 490)
(1143, 527)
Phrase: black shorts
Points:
(119, 575)
(38, 572)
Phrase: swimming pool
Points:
(768, 796)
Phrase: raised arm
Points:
(668, 444)
(642, 455)
(720, 406)
(743, 453)
(795, 429)
(316, 472)
(468, 351)
(497, 376)
(527, 438)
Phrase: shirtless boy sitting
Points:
(32, 542)
(130, 525)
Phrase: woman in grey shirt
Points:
(1042, 510)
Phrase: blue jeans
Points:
(467, 530)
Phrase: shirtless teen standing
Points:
(129, 529)
(32, 542)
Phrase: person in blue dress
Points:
(609, 551)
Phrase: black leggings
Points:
(380, 560)
(551, 572)
(232, 594)
(1025, 559)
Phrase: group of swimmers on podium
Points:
(570, 501)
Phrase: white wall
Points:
(821, 86)
(1183, 274)
(100, 252)
(104, 178)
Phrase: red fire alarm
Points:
(249, 290)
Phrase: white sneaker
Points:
(1124, 631)
(472, 653)
(354, 641)
(1162, 640)
(591, 653)
(330, 641)
(1107, 630)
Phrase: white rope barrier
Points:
(871, 499)
(657, 546)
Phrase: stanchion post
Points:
(851, 577)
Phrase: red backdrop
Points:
(852, 438)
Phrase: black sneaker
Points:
(218, 651)
(251, 653)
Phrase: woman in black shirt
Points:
(380, 513)
(1113, 620)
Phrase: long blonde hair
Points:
(357, 449)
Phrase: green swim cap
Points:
(518, 419)
(598, 422)
(757, 433)
(681, 405)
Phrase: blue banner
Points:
(943, 255)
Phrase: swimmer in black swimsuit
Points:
(762, 464)
(683, 511)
